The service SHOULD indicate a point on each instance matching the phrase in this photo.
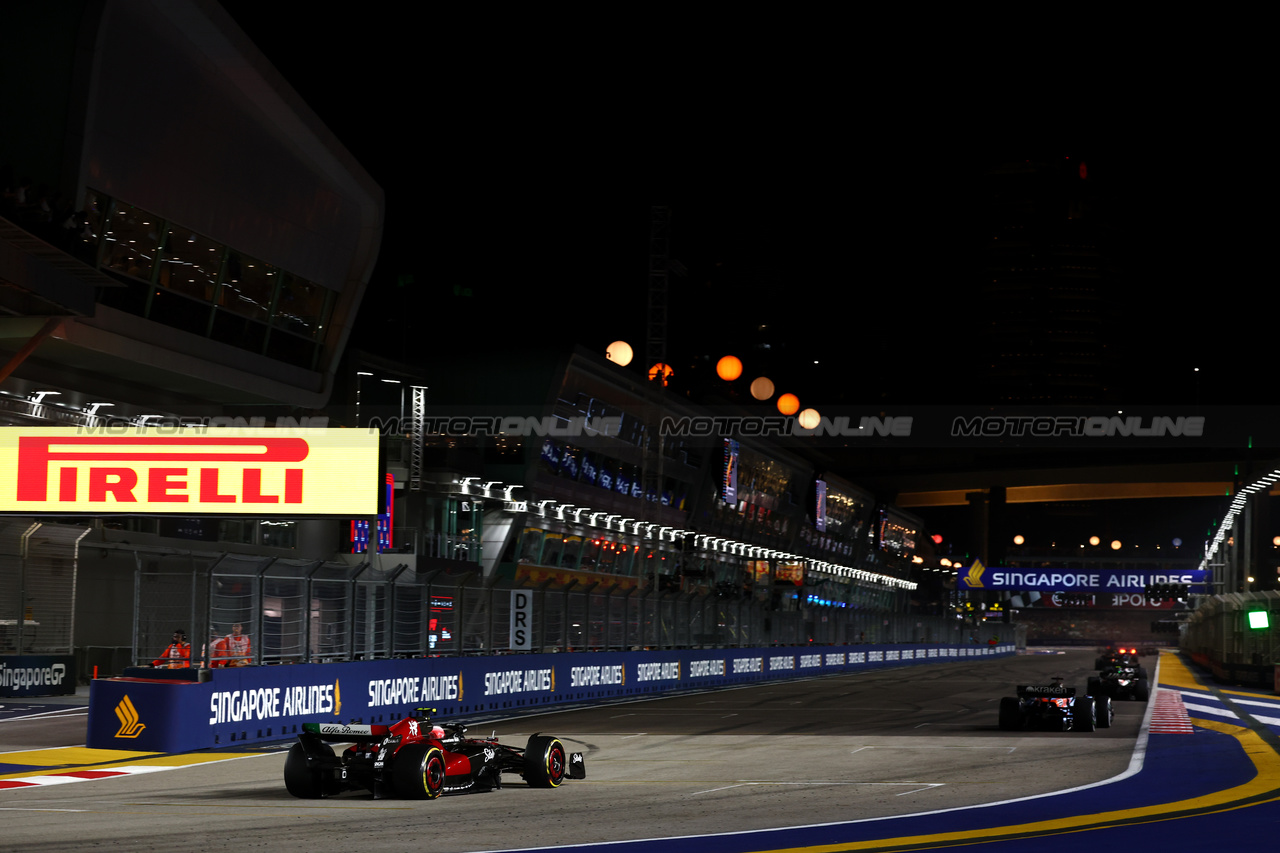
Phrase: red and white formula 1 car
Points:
(416, 759)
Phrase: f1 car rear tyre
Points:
(418, 772)
(299, 779)
(1082, 715)
(545, 762)
(1010, 714)
(1103, 711)
(1143, 691)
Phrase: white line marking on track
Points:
(1005, 748)
(66, 712)
(1226, 713)
(923, 786)
(1234, 697)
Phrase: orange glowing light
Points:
(788, 404)
(662, 371)
(729, 368)
(762, 388)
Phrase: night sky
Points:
(520, 184)
(523, 184)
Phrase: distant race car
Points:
(1121, 682)
(1056, 708)
(415, 759)
(1126, 656)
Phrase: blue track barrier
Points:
(257, 704)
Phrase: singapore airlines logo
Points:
(128, 716)
(973, 580)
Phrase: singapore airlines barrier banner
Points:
(188, 470)
(978, 576)
(269, 703)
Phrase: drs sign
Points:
(521, 620)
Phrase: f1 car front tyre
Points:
(1082, 719)
(1010, 714)
(418, 772)
(299, 779)
(545, 763)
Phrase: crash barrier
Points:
(1225, 636)
(1242, 674)
(269, 703)
(37, 675)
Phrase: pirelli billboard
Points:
(189, 471)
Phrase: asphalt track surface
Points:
(900, 759)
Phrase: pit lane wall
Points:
(269, 703)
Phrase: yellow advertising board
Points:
(189, 471)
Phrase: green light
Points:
(1258, 619)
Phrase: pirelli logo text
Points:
(217, 471)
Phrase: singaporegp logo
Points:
(165, 475)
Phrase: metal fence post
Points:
(259, 614)
(564, 615)
(308, 590)
(586, 613)
(137, 604)
(391, 608)
(608, 608)
(351, 610)
(490, 588)
(460, 608)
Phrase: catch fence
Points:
(297, 611)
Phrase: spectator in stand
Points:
(236, 650)
(178, 654)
